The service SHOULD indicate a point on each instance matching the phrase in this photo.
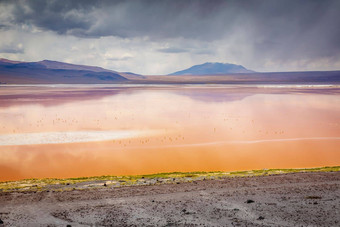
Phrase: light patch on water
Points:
(72, 137)
(262, 141)
(244, 142)
(283, 140)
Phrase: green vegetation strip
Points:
(151, 179)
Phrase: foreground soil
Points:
(295, 199)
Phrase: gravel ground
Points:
(298, 199)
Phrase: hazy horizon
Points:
(130, 71)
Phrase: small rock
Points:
(185, 211)
(153, 201)
(68, 225)
(260, 218)
(315, 203)
(67, 183)
(250, 201)
(313, 197)
(1, 222)
(104, 184)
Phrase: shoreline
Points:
(111, 181)
(288, 199)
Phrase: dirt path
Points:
(300, 199)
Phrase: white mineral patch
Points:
(71, 137)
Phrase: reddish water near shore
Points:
(73, 131)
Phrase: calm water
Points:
(71, 131)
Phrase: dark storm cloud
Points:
(153, 18)
(58, 16)
(195, 19)
(272, 29)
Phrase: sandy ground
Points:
(298, 199)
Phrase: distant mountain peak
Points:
(213, 68)
(47, 71)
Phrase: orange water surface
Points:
(73, 131)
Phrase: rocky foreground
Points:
(295, 199)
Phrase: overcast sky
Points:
(163, 36)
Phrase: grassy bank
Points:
(83, 183)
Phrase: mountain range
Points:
(54, 72)
(213, 68)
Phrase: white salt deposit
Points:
(71, 137)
